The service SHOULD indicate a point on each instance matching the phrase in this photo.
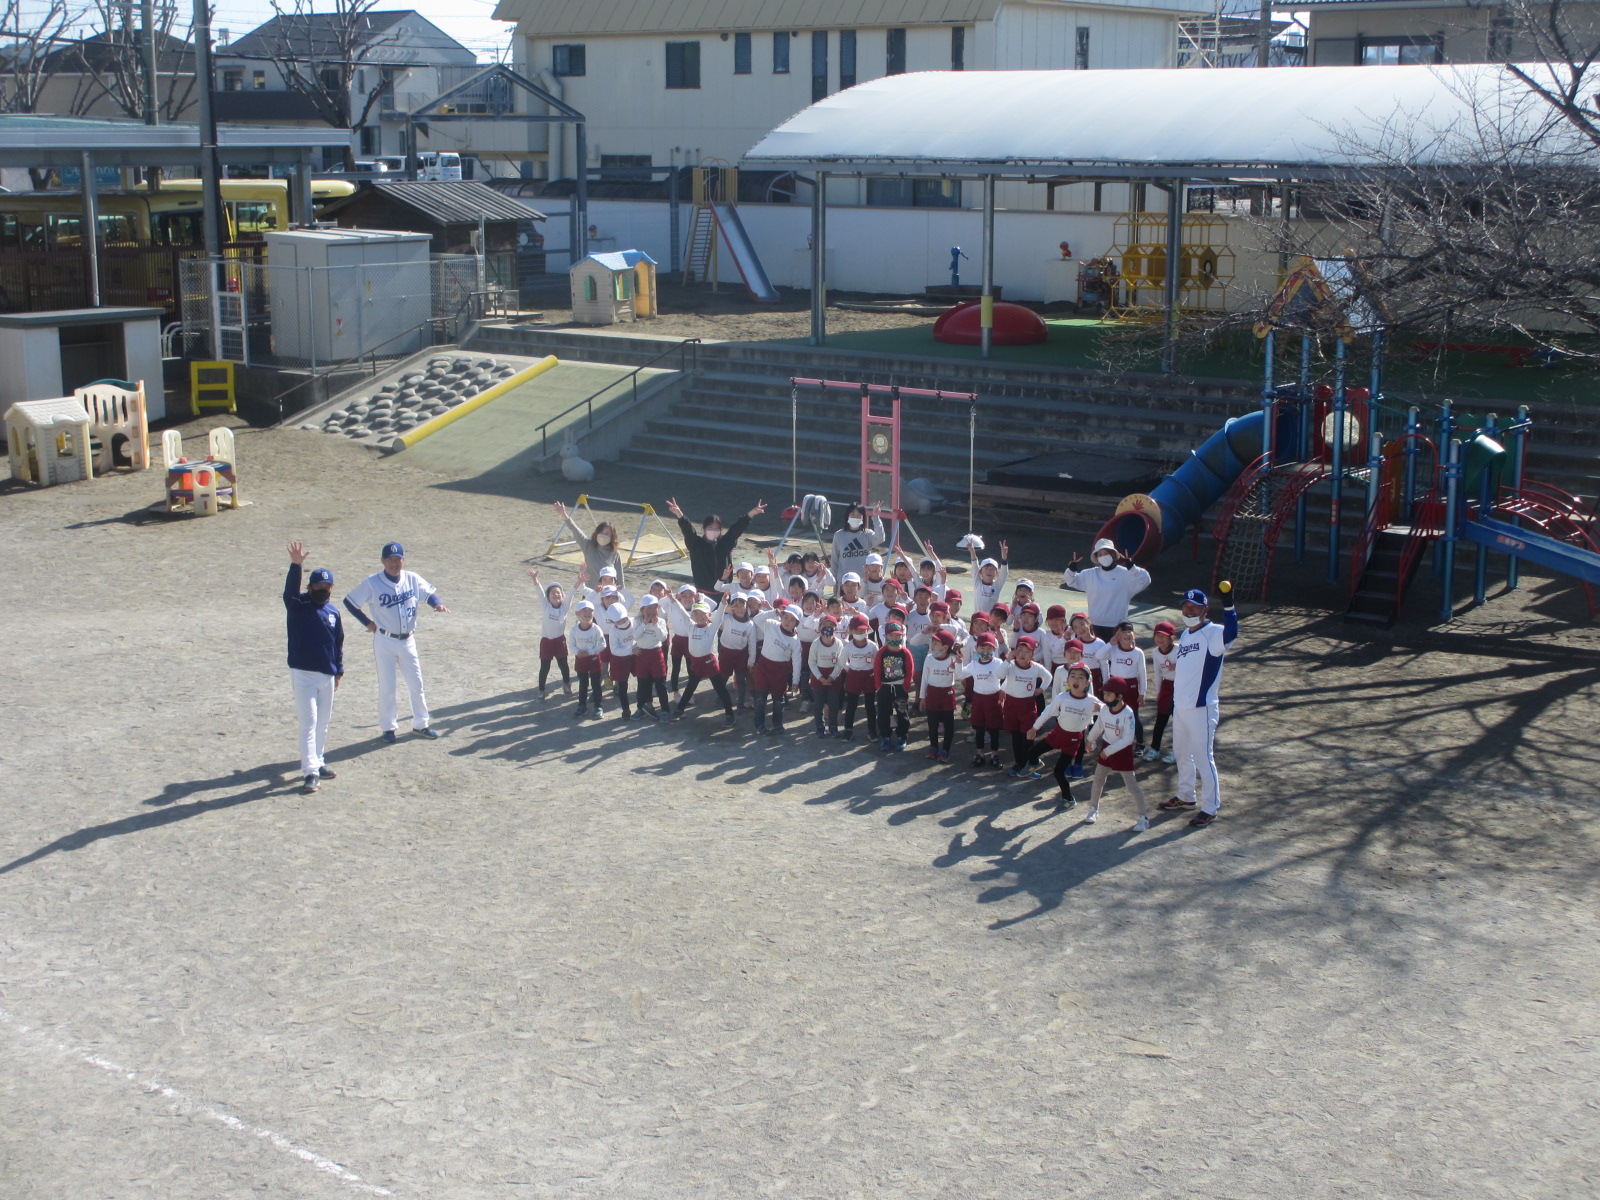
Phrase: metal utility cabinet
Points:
(339, 293)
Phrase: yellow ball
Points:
(1225, 586)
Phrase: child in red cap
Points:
(983, 673)
(860, 656)
(1114, 732)
(1165, 655)
(1021, 682)
(894, 672)
(936, 693)
(1066, 720)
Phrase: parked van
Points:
(440, 165)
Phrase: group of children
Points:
(886, 644)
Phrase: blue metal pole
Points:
(1268, 401)
(1447, 429)
(1340, 410)
(1306, 409)
(1375, 375)
(1519, 450)
(1452, 521)
(1480, 569)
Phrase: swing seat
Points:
(791, 512)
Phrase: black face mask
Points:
(320, 595)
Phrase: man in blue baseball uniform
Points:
(1197, 682)
(392, 596)
(316, 661)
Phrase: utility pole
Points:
(152, 104)
(1264, 36)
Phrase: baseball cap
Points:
(1003, 609)
(980, 615)
(658, 583)
(744, 567)
(894, 627)
(1054, 611)
(1196, 596)
(689, 587)
(988, 562)
(607, 591)
(781, 603)
(322, 575)
(927, 562)
(1078, 666)
(1073, 644)
(1080, 616)
(762, 569)
(827, 624)
(1166, 627)
(1118, 685)
(701, 606)
(850, 577)
(874, 560)
(1029, 608)
(984, 639)
(583, 606)
(616, 612)
(922, 587)
(1030, 643)
(393, 550)
(938, 606)
(1027, 583)
(952, 594)
(648, 601)
(860, 622)
(944, 637)
(608, 572)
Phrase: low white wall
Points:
(898, 250)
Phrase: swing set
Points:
(561, 538)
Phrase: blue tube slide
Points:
(1183, 496)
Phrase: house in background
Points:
(1384, 33)
(371, 74)
(666, 83)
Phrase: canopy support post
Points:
(988, 264)
(819, 259)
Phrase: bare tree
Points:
(28, 45)
(320, 56)
(111, 61)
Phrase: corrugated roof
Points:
(451, 203)
(622, 260)
(1289, 120)
(581, 18)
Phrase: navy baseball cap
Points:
(1196, 596)
(393, 550)
(322, 575)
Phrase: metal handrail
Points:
(681, 349)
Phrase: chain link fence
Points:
(317, 318)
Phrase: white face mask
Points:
(1194, 622)
(602, 539)
(1106, 561)
(713, 534)
(854, 522)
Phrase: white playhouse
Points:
(48, 441)
(619, 285)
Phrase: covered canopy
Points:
(1281, 122)
(28, 140)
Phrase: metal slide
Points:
(1538, 548)
(744, 254)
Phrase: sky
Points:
(469, 22)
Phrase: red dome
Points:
(1013, 325)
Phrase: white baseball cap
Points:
(607, 591)
(874, 560)
(690, 588)
(658, 583)
(988, 562)
(583, 606)
(616, 612)
(850, 577)
(608, 571)
(1027, 583)
(648, 601)
(744, 567)
(763, 569)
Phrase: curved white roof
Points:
(1283, 121)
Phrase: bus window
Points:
(10, 234)
(253, 218)
(63, 230)
(117, 229)
(178, 229)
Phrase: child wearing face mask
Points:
(1113, 730)
(553, 631)
(860, 656)
(860, 535)
(894, 672)
(936, 693)
(984, 672)
(1110, 583)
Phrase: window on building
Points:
(569, 60)
(914, 193)
(1080, 54)
(683, 65)
(780, 54)
(847, 58)
(1502, 39)
(958, 48)
(371, 140)
(741, 54)
(894, 61)
(1401, 51)
(625, 167)
(330, 79)
(819, 64)
(233, 81)
(258, 80)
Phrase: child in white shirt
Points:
(557, 606)
(588, 645)
(825, 664)
(1066, 721)
(1114, 731)
(936, 693)
(1165, 657)
(704, 629)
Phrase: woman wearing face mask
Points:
(599, 548)
(711, 549)
(1110, 582)
(861, 535)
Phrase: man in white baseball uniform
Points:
(392, 595)
(1197, 683)
(1109, 585)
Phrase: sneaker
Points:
(390, 735)
(664, 715)
(1035, 771)
(900, 745)
(760, 728)
(932, 755)
(327, 773)
(978, 760)
(598, 711)
(1016, 773)
(833, 731)
(1152, 754)
(823, 733)
(1169, 758)
(1201, 819)
(644, 714)
(944, 757)
(883, 745)
(542, 694)
(1065, 803)
(1175, 805)
(566, 689)
(582, 708)
(309, 786)
(775, 731)
(1141, 824)
(729, 721)
(1075, 771)
(847, 735)
(994, 760)
(430, 733)
(1090, 817)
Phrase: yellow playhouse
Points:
(619, 285)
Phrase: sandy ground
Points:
(539, 958)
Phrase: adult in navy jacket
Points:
(316, 661)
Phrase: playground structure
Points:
(1138, 262)
(619, 285)
(203, 486)
(48, 441)
(715, 224)
(880, 454)
(1009, 324)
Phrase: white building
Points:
(674, 82)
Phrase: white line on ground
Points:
(184, 1104)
